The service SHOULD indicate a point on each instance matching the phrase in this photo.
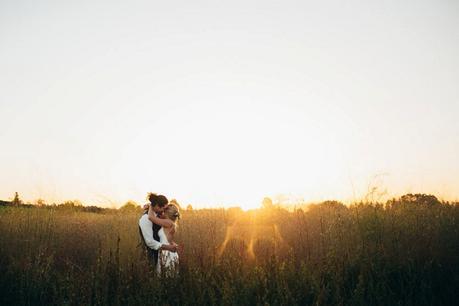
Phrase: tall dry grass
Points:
(404, 252)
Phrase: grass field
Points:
(403, 252)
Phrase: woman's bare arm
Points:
(162, 222)
(171, 235)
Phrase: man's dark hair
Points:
(159, 200)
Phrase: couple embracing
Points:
(157, 228)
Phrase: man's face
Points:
(158, 210)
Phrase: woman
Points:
(168, 261)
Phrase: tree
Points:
(414, 200)
(130, 206)
(189, 207)
(16, 201)
(420, 198)
(40, 202)
(267, 203)
(71, 204)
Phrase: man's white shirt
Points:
(146, 226)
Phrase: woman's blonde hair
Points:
(172, 212)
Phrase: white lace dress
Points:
(167, 261)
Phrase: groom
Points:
(149, 231)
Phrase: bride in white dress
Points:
(167, 261)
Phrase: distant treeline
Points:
(66, 205)
(419, 198)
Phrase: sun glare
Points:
(249, 206)
(239, 154)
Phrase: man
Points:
(149, 231)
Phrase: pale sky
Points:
(225, 102)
